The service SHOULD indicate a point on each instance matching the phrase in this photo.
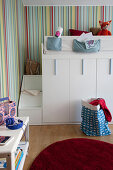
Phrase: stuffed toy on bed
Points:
(104, 26)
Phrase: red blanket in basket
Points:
(103, 106)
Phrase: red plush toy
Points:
(104, 26)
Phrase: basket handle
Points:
(5, 98)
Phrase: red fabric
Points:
(75, 154)
(76, 32)
(103, 106)
(104, 32)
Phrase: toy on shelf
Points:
(104, 26)
(59, 32)
(95, 30)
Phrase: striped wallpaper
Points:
(22, 30)
(12, 47)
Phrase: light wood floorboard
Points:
(42, 136)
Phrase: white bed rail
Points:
(67, 41)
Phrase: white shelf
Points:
(17, 134)
(24, 146)
(8, 151)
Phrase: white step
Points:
(32, 82)
(30, 103)
(34, 113)
(27, 100)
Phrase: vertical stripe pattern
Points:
(22, 30)
(12, 47)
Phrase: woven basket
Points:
(94, 122)
(32, 67)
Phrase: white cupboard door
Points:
(56, 90)
(105, 81)
(82, 85)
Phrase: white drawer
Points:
(35, 115)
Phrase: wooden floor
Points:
(42, 136)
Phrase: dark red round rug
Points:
(75, 154)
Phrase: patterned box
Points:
(7, 109)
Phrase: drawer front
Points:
(35, 115)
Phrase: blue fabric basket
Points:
(54, 44)
(94, 122)
(86, 47)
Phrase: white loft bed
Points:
(68, 77)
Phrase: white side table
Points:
(8, 151)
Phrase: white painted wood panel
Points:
(82, 85)
(32, 82)
(66, 2)
(55, 91)
(31, 105)
(30, 100)
(105, 82)
(34, 113)
(70, 84)
(67, 41)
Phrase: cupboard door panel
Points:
(55, 90)
(105, 82)
(82, 85)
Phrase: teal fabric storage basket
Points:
(90, 46)
(54, 44)
(94, 122)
